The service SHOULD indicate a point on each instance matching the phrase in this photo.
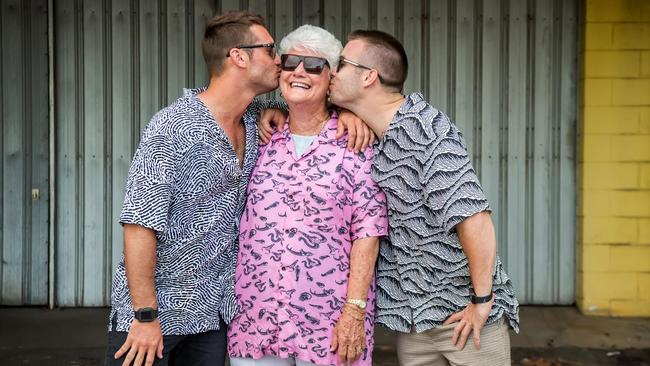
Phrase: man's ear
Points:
(370, 77)
(238, 57)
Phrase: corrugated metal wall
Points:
(117, 62)
(505, 70)
(24, 148)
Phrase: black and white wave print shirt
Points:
(185, 182)
(423, 276)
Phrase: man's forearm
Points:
(362, 267)
(140, 261)
(477, 237)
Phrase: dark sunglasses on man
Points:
(311, 64)
(269, 46)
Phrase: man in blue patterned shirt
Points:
(173, 292)
(439, 278)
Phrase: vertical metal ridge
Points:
(52, 157)
(162, 73)
(556, 145)
(566, 159)
(271, 18)
(372, 14)
(424, 45)
(347, 19)
(570, 51)
(190, 71)
(399, 22)
(135, 79)
(530, 81)
(504, 105)
(477, 120)
(2, 153)
(108, 146)
(79, 150)
(321, 13)
(516, 80)
(27, 148)
(297, 14)
(452, 6)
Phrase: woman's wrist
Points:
(354, 312)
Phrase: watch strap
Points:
(480, 299)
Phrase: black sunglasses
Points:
(312, 65)
(269, 46)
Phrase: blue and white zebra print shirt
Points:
(423, 276)
(185, 182)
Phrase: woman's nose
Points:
(300, 69)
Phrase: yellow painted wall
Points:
(614, 160)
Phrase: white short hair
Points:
(314, 39)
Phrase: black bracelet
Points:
(480, 299)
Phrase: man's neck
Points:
(379, 111)
(227, 107)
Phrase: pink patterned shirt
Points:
(301, 217)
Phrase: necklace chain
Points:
(318, 129)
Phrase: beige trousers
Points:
(433, 347)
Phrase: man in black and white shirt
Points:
(173, 293)
(439, 278)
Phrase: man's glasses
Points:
(269, 46)
(312, 65)
(343, 60)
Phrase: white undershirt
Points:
(301, 143)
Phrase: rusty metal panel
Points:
(24, 150)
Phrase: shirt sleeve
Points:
(369, 217)
(150, 182)
(451, 188)
(258, 105)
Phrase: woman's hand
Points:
(359, 134)
(349, 335)
(268, 119)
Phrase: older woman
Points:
(309, 234)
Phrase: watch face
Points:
(146, 314)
